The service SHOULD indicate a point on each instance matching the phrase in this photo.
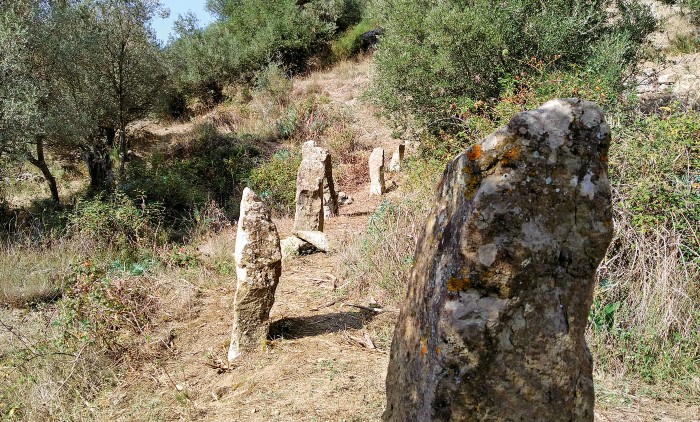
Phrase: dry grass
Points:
(654, 335)
(53, 369)
(380, 260)
(31, 274)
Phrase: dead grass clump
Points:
(355, 172)
(342, 141)
(31, 274)
(379, 262)
(225, 120)
(645, 320)
(58, 363)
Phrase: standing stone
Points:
(376, 172)
(397, 158)
(315, 187)
(309, 196)
(492, 326)
(258, 269)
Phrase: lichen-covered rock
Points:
(292, 246)
(376, 172)
(258, 269)
(314, 187)
(492, 327)
(315, 238)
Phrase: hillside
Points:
(116, 302)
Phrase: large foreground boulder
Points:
(258, 269)
(492, 327)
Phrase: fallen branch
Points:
(366, 308)
(325, 305)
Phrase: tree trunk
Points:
(123, 150)
(40, 163)
(99, 165)
(99, 162)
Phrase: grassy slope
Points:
(327, 360)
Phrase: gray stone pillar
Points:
(492, 327)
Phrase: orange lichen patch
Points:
(604, 158)
(474, 153)
(423, 347)
(511, 154)
(457, 284)
(437, 350)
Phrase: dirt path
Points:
(322, 363)
(345, 85)
(326, 360)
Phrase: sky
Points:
(163, 27)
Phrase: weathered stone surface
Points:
(316, 238)
(397, 158)
(309, 196)
(314, 187)
(292, 246)
(344, 199)
(258, 268)
(376, 172)
(492, 327)
(330, 196)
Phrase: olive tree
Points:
(73, 75)
(126, 57)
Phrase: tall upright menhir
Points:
(258, 269)
(314, 186)
(492, 327)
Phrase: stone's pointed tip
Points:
(249, 194)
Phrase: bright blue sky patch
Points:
(163, 27)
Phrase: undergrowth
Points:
(644, 327)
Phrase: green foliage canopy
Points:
(251, 34)
(437, 52)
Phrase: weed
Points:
(684, 44)
(275, 180)
(349, 43)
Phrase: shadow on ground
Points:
(315, 325)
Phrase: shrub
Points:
(645, 320)
(116, 223)
(436, 51)
(306, 120)
(210, 166)
(98, 307)
(275, 180)
(349, 43)
(342, 13)
(249, 36)
(273, 81)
